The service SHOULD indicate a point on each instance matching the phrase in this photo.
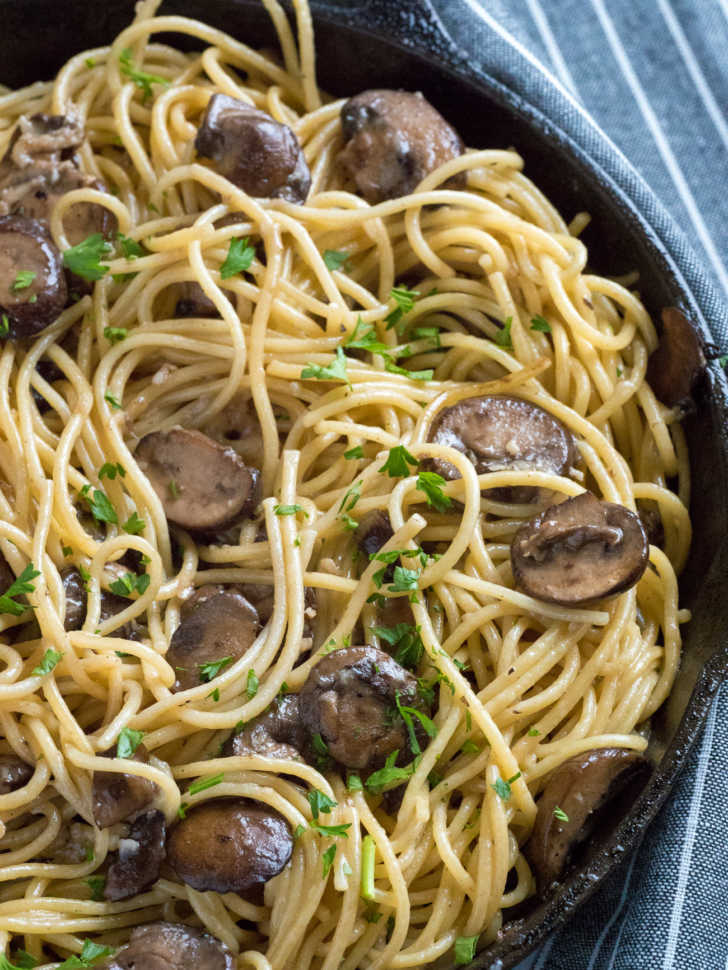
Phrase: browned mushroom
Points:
(229, 845)
(14, 773)
(502, 433)
(253, 151)
(675, 367)
(111, 604)
(579, 551)
(118, 796)
(7, 576)
(278, 733)
(40, 166)
(237, 426)
(575, 797)
(170, 946)
(218, 624)
(194, 302)
(373, 532)
(201, 484)
(139, 858)
(348, 701)
(393, 140)
(32, 285)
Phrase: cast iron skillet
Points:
(401, 43)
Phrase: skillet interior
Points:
(356, 50)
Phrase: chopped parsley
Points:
(4, 325)
(84, 259)
(335, 371)
(332, 831)
(465, 949)
(320, 803)
(328, 859)
(470, 747)
(204, 783)
(115, 334)
(23, 280)
(407, 713)
(354, 783)
(128, 741)
(723, 361)
(131, 583)
(90, 954)
(405, 580)
(366, 340)
(396, 464)
(18, 587)
(406, 641)
(431, 484)
(389, 774)
(114, 402)
(134, 525)
(101, 508)
(49, 661)
(320, 746)
(414, 375)
(428, 333)
(533, 732)
(503, 337)
(560, 814)
(96, 885)
(109, 470)
(352, 453)
(130, 247)
(404, 299)
(142, 80)
(251, 686)
(335, 258)
(538, 323)
(210, 670)
(239, 258)
(503, 788)
(289, 510)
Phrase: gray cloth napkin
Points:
(653, 74)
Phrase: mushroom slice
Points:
(348, 700)
(118, 796)
(229, 845)
(237, 426)
(218, 625)
(200, 484)
(374, 531)
(393, 140)
(675, 367)
(170, 946)
(502, 433)
(253, 151)
(578, 792)
(139, 858)
(277, 733)
(32, 285)
(75, 590)
(14, 773)
(579, 551)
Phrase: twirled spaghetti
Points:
(521, 685)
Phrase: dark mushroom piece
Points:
(278, 733)
(253, 151)
(137, 863)
(348, 700)
(119, 796)
(170, 946)
(40, 166)
(76, 596)
(677, 364)
(576, 796)
(503, 433)
(229, 845)
(27, 248)
(579, 551)
(393, 140)
(7, 576)
(237, 426)
(200, 484)
(217, 623)
(194, 302)
(14, 773)
(374, 531)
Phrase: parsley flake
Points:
(431, 484)
(49, 661)
(251, 686)
(84, 259)
(101, 508)
(289, 510)
(328, 859)
(23, 280)
(538, 323)
(142, 80)
(18, 587)
(320, 802)
(210, 670)
(128, 741)
(352, 453)
(134, 525)
(204, 783)
(335, 258)
(503, 788)
(503, 337)
(560, 814)
(335, 371)
(115, 334)
(465, 949)
(114, 402)
(396, 464)
(109, 470)
(131, 583)
(239, 258)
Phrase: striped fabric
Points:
(654, 76)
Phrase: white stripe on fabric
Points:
(554, 51)
(691, 62)
(690, 830)
(613, 917)
(661, 141)
(543, 954)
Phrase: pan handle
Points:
(415, 23)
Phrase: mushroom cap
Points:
(220, 623)
(229, 845)
(139, 858)
(170, 946)
(348, 699)
(674, 368)
(14, 773)
(211, 483)
(579, 551)
(253, 150)
(277, 733)
(500, 433)
(581, 787)
(237, 427)
(393, 140)
(26, 246)
(117, 796)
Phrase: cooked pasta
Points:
(328, 339)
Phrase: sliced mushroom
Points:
(40, 166)
(194, 302)
(200, 484)
(218, 624)
(374, 531)
(677, 364)
(579, 551)
(237, 426)
(27, 248)
(575, 796)
(393, 140)
(256, 153)
(118, 796)
(278, 733)
(502, 433)
(229, 845)
(349, 698)
(139, 858)
(14, 773)
(7, 576)
(76, 597)
(170, 946)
